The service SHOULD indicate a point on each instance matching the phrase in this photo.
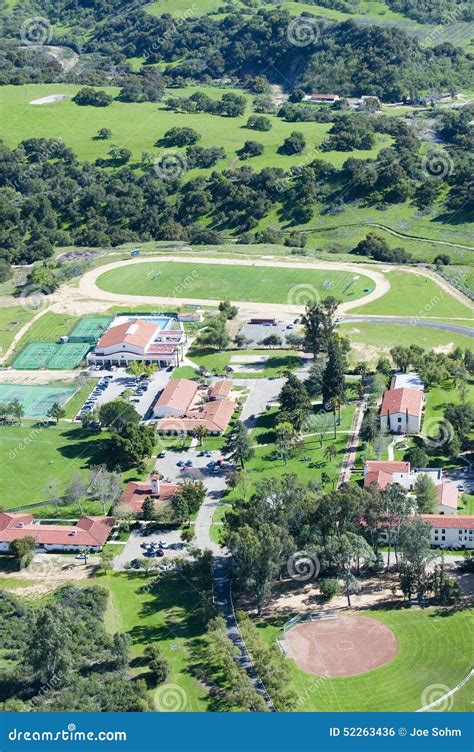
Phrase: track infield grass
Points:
(257, 284)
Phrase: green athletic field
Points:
(218, 282)
(434, 647)
(36, 400)
(50, 355)
(89, 329)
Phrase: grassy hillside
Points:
(367, 12)
(138, 126)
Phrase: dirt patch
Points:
(343, 646)
(51, 99)
(445, 349)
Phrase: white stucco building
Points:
(401, 411)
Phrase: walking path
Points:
(352, 444)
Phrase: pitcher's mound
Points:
(343, 646)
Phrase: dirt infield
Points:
(343, 646)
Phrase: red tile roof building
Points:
(387, 466)
(401, 410)
(176, 398)
(135, 493)
(214, 416)
(455, 531)
(88, 533)
(221, 389)
(138, 339)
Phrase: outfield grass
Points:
(162, 613)
(370, 341)
(435, 647)
(219, 282)
(417, 296)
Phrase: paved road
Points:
(455, 328)
(215, 485)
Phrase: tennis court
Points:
(35, 356)
(90, 329)
(36, 400)
(50, 355)
(68, 356)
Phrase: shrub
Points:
(329, 588)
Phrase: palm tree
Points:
(200, 433)
(330, 452)
(361, 369)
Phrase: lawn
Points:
(370, 341)
(259, 284)
(161, 612)
(438, 398)
(417, 296)
(30, 455)
(266, 462)
(138, 126)
(48, 328)
(435, 647)
(11, 321)
(217, 523)
(278, 361)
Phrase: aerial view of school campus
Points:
(236, 356)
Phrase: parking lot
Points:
(113, 384)
(258, 332)
(144, 544)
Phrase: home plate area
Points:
(340, 645)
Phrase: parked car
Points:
(160, 552)
(81, 556)
(180, 463)
(162, 454)
(189, 463)
(163, 544)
